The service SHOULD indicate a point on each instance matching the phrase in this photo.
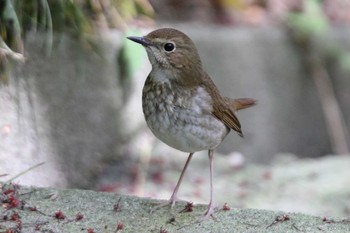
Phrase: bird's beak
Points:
(141, 40)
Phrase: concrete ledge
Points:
(37, 209)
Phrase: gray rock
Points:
(51, 210)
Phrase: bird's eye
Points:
(169, 47)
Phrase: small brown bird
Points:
(181, 104)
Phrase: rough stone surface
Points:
(52, 210)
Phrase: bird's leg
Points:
(211, 206)
(173, 197)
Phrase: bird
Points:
(181, 104)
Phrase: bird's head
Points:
(171, 49)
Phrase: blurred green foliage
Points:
(76, 17)
(311, 29)
(312, 33)
(311, 21)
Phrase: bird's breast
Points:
(182, 117)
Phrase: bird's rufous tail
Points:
(241, 103)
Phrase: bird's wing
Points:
(227, 116)
(221, 107)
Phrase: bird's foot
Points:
(208, 214)
(171, 202)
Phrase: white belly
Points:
(183, 123)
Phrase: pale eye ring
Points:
(169, 47)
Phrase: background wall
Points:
(75, 112)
